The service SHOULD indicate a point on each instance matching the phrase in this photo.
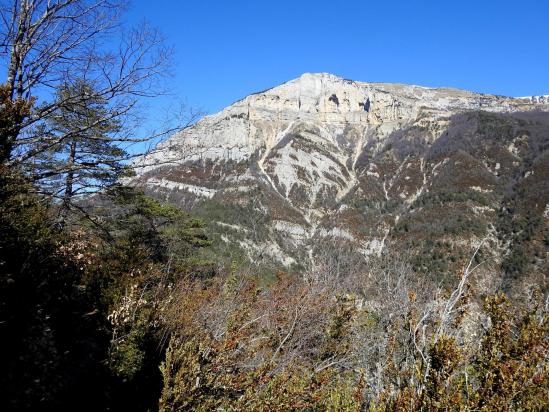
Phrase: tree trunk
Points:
(15, 74)
(69, 181)
(16, 58)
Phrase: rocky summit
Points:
(322, 163)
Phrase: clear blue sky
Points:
(226, 50)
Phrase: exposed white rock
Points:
(270, 249)
(237, 228)
(480, 189)
(373, 247)
(293, 229)
(513, 149)
(257, 122)
(544, 99)
(168, 184)
(304, 138)
(337, 232)
(479, 210)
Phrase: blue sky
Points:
(226, 50)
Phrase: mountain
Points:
(321, 167)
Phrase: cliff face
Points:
(320, 157)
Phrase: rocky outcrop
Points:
(261, 121)
(324, 157)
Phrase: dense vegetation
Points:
(112, 300)
(125, 314)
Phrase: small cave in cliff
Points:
(333, 98)
(365, 105)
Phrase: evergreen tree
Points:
(86, 156)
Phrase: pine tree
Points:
(87, 155)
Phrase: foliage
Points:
(123, 304)
(216, 359)
(118, 310)
(79, 305)
(250, 353)
(86, 154)
(55, 339)
(49, 44)
(507, 371)
(13, 113)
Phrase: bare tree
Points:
(49, 43)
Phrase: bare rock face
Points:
(335, 107)
(323, 157)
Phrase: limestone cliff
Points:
(323, 157)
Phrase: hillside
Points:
(319, 164)
(325, 244)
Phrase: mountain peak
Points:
(395, 88)
(330, 98)
(317, 146)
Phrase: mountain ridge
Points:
(360, 82)
(305, 158)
